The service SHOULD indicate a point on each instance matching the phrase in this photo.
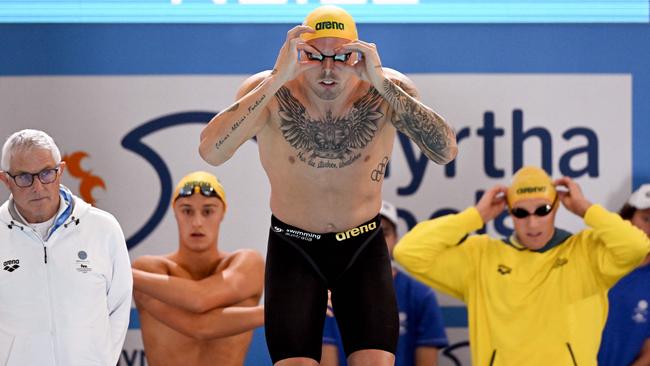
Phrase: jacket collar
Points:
(68, 201)
(559, 237)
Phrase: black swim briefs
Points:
(301, 266)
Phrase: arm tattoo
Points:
(420, 123)
(329, 142)
(237, 123)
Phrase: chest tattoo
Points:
(329, 142)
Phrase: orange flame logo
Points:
(88, 182)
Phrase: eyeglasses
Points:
(343, 57)
(204, 187)
(46, 176)
(540, 211)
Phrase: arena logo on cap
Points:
(525, 190)
(329, 25)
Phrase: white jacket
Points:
(64, 301)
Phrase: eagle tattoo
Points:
(333, 139)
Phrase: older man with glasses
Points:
(65, 287)
(540, 296)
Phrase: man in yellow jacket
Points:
(539, 297)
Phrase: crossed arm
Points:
(210, 308)
(215, 323)
(242, 279)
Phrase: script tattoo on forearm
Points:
(241, 119)
(420, 123)
(329, 142)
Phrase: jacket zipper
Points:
(494, 354)
(49, 295)
(573, 358)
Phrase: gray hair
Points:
(27, 140)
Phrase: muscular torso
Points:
(326, 168)
(165, 346)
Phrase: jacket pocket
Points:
(32, 349)
(494, 356)
(6, 344)
(573, 357)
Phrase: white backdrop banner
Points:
(128, 140)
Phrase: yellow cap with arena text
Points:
(330, 21)
(200, 182)
(530, 182)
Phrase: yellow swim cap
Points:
(530, 182)
(203, 182)
(330, 21)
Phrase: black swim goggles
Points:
(342, 57)
(540, 211)
(190, 187)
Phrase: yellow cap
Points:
(530, 182)
(330, 21)
(196, 179)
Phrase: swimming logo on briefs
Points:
(298, 234)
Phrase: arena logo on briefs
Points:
(356, 231)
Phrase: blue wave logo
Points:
(133, 142)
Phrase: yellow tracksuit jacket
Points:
(526, 308)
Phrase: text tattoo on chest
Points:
(330, 142)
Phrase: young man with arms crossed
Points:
(198, 305)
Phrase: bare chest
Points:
(314, 138)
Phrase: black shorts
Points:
(301, 266)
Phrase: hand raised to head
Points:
(572, 198)
(368, 67)
(287, 66)
(492, 203)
